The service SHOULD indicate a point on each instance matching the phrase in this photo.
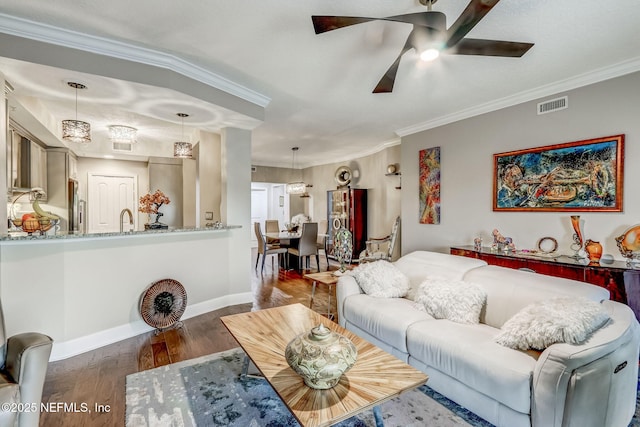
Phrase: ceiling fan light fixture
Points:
(429, 54)
(122, 134)
(182, 149)
(76, 130)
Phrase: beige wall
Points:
(467, 148)
(208, 176)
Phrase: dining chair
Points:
(271, 226)
(265, 249)
(321, 243)
(307, 245)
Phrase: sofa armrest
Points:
(593, 383)
(26, 361)
(346, 287)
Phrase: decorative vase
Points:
(321, 356)
(577, 236)
(343, 248)
(594, 249)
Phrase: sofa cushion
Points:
(421, 264)
(381, 279)
(456, 300)
(557, 320)
(469, 354)
(509, 291)
(386, 319)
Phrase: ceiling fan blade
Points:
(322, 24)
(490, 48)
(473, 13)
(385, 85)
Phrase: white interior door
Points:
(107, 196)
(259, 209)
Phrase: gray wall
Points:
(467, 147)
(166, 175)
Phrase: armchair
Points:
(23, 367)
(381, 248)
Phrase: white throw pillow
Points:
(381, 279)
(455, 300)
(557, 320)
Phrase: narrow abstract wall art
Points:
(429, 186)
(575, 176)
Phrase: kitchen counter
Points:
(21, 236)
(83, 290)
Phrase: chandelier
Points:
(181, 149)
(76, 130)
(296, 187)
(122, 134)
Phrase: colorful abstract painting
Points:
(576, 176)
(429, 187)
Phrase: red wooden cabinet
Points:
(347, 209)
(609, 276)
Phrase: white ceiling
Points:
(320, 86)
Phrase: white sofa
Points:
(590, 384)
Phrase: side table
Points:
(325, 278)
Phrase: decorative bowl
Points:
(629, 242)
(321, 356)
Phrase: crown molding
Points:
(599, 75)
(62, 37)
(376, 149)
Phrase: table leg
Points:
(313, 292)
(329, 304)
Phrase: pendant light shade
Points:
(296, 187)
(76, 130)
(182, 149)
(122, 134)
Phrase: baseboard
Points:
(65, 349)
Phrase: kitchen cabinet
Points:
(26, 163)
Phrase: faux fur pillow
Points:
(558, 320)
(455, 300)
(381, 279)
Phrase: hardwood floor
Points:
(98, 377)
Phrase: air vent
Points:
(122, 146)
(253, 169)
(553, 105)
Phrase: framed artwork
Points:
(578, 176)
(429, 186)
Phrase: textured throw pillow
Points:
(557, 320)
(381, 279)
(455, 300)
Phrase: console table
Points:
(609, 276)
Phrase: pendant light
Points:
(119, 134)
(181, 149)
(76, 130)
(297, 187)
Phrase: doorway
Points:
(268, 201)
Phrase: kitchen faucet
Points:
(122, 212)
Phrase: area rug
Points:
(208, 391)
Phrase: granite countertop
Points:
(63, 235)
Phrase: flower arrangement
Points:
(150, 203)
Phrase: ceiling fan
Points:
(431, 36)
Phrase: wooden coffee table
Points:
(375, 378)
